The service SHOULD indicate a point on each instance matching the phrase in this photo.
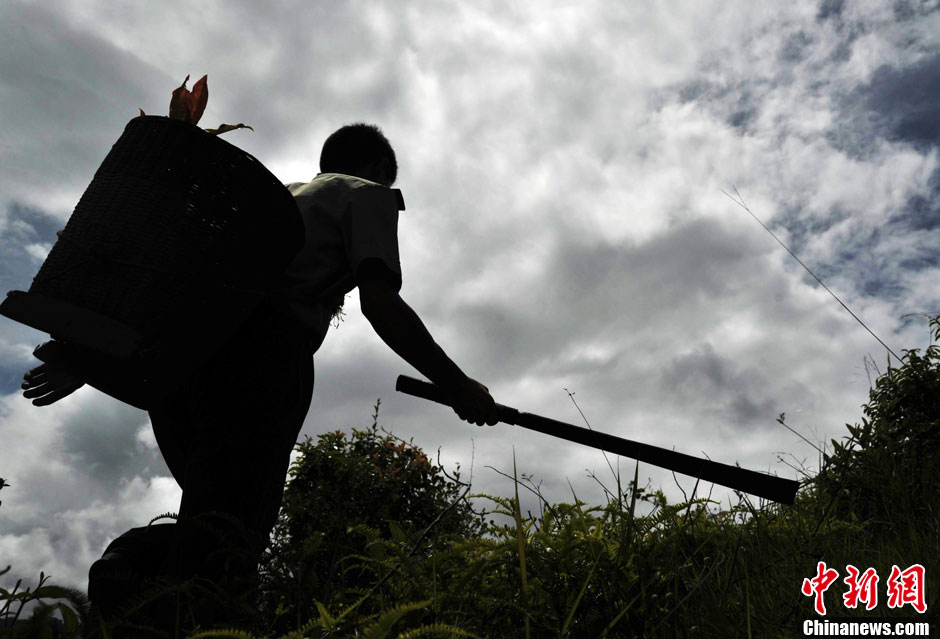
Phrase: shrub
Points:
(889, 467)
(346, 494)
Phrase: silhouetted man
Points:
(228, 433)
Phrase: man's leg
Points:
(247, 408)
(226, 438)
(131, 562)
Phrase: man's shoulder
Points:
(342, 188)
(333, 182)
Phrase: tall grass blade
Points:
(613, 622)
(577, 601)
(520, 534)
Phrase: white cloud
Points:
(65, 543)
(38, 251)
(60, 510)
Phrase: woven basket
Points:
(176, 239)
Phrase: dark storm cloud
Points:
(25, 233)
(923, 211)
(860, 257)
(735, 392)
(55, 78)
(349, 383)
(906, 10)
(801, 228)
(795, 48)
(919, 220)
(905, 103)
(72, 456)
(608, 292)
(875, 259)
(103, 443)
(689, 262)
(327, 59)
(12, 366)
(514, 339)
(737, 102)
(830, 9)
(23, 227)
(898, 104)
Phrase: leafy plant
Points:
(887, 468)
(348, 498)
(188, 106)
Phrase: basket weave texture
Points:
(172, 212)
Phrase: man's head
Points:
(362, 150)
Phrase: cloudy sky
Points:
(563, 165)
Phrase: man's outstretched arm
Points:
(404, 332)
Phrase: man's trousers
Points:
(226, 437)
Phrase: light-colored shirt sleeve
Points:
(370, 228)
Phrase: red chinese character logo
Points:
(862, 589)
(819, 584)
(907, 587)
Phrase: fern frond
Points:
(441, 630)
(381, 628)
(222, 633)
(166, 515)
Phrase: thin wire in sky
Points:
(740, 202)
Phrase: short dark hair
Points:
(354, 145)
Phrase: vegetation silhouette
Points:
(426, 564)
